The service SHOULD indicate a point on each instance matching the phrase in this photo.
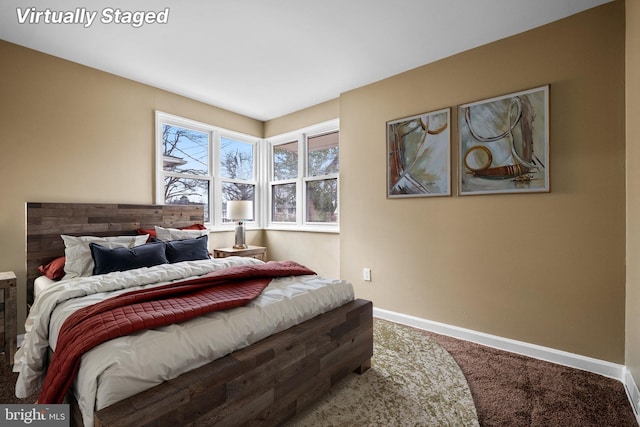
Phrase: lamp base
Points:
(240, 242)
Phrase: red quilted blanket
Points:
(149, 308)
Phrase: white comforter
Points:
(128, 365)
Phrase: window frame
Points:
(301, 136)
(216, 222)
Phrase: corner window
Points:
(304, 175)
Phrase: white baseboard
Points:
(607, 369)
(633, 393)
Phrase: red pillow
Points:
(194, 227)
(54, 270)
(152, 231)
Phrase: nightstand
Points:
(8, 325)
(257, 252)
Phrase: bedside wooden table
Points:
(8, 327)
(257, 252)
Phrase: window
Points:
(185, 165)
(322, 178)
(201, 164)
(303, 184)
(237, 172)
(283, 190)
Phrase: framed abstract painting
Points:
(504, 144)
(419, 155)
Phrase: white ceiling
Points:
(267, 58)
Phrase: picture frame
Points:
(419, 155)
(503, 144)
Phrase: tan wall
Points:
(71, 133)
(542, 268)
(318, 251)
(326, 111)
(632, 349)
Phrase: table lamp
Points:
(240, 210)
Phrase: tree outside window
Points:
(198, 163)
(285, 172)
(322, 182)
(201, 164)
(185, 162)
(309, 186)
(237, 172)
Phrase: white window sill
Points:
(308, 228)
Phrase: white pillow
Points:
(167, 234)
(76, 249)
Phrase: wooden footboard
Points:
(266, 383)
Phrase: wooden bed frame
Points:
(266, 383)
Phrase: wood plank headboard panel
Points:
(47, 221)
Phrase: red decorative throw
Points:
(150, 308)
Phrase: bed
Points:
(266, 378)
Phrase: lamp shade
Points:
(240, 209)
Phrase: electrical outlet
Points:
(366, 274)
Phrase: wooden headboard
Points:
(47, 221)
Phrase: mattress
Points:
(128, 365)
